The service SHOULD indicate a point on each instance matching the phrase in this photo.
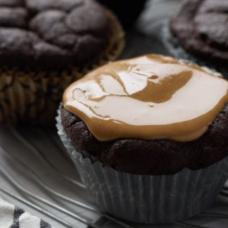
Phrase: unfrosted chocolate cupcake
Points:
(149, 134)
(200, 32)
(46, 44)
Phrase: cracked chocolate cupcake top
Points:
(201, 28)
(149, 115)
(52, 33)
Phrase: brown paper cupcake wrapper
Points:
(148, 198)
(34, 97)
(175, 49)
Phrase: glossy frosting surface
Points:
(150, 97)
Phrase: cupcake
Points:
(149, 137)
(45, 45)
(199, 32)
(119, 7)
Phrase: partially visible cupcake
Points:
(127, 11)
(45, 45)
(149, 137)
(200, 33)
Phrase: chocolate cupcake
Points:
(45, 45)
(149, 137)
(199, 32)
(120, 8)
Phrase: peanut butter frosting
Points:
(149, 97)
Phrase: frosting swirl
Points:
(150, 97)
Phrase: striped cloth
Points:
(13, 217)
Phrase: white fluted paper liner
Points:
(148, 199)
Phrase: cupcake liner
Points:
(28, 97)
(34, 96)
(148, 198)
(175, 49)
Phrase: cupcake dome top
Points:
(52, 33)
(201, 28)
(150, 97)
